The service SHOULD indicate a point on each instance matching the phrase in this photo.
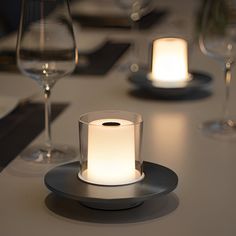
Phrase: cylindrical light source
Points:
(170, 61)
(110, 147)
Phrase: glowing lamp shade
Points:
(170, 61)
(110, 146)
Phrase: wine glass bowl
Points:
(218, 41)
(46, 48)
(46, 52)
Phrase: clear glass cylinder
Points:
(110, 145)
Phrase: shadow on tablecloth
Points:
(149, 210)
(146, 95)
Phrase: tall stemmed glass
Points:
(217, 40)
(46, 52)
(136, 10)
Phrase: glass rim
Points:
(133, 123)
(169, 38)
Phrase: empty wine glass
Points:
(136, 9)
(217, 40)
(46, 52)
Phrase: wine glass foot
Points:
(223, 129)
(134, 67)
(42, 155)
(131, 67)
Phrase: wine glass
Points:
(46, 52)
(218, 41)
(136, 10)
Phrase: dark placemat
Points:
(98, 62)
(120, 22)
(21, 126)
(101, 61)
(8, 61)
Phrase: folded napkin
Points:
(8, 61)
(21, 126)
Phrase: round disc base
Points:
(158, 181)
(198, 82)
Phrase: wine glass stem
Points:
(227, 90)
(48, 140)
(134, 18)
(134, 29)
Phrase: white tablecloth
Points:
(206, 193)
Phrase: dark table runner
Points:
(119, 22)
(21, 126)
(102, 60)
(98, 62)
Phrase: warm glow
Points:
(169, 138)
(111, 153)
(170, 62)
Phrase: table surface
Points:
(202, 204)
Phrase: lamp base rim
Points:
(81, 177)
(198, 81)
